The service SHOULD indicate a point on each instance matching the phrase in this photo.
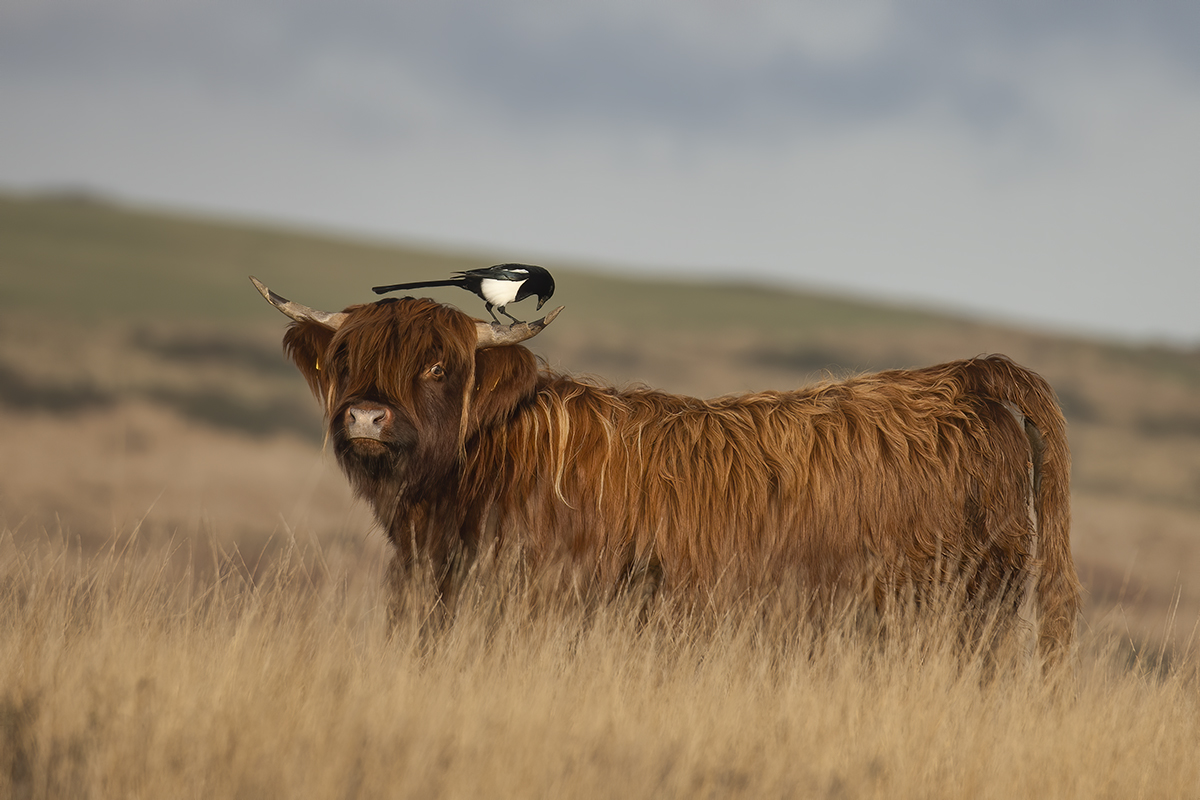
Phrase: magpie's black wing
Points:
(500, 272)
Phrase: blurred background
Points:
(732, 196)
(1022, 160)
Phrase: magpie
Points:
(497, 286)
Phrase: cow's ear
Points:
(306, 343)
(505, 377)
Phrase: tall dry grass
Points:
(165, 671)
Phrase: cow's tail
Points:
(1057, 585)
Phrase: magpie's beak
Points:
(541, 302)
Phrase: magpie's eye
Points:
(437, 372)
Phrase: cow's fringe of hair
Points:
(464, 416)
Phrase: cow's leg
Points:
(417, 590)
(641, 586)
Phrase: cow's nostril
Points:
(367, 416)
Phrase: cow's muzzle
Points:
(367, 421)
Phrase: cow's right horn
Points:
(491, 334)
(330, 319)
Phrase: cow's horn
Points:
(332, 320)
(493, 334)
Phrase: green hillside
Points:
(82, 257)
(89, 259)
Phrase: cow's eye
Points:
(437, 372)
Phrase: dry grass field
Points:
(177, 671)
(190, 601)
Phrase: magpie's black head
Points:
(545, 290)
(540, 282)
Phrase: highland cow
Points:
(464, 445)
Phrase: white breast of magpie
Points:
(500, 292)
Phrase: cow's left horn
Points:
(330, 319)
(492, 334)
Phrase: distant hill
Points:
(79, 255)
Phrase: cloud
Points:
(706, 69)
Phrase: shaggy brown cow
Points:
(462, 443)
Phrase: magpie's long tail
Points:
(418, 285)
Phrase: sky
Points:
(1033, 161)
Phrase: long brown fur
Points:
(881, 483)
